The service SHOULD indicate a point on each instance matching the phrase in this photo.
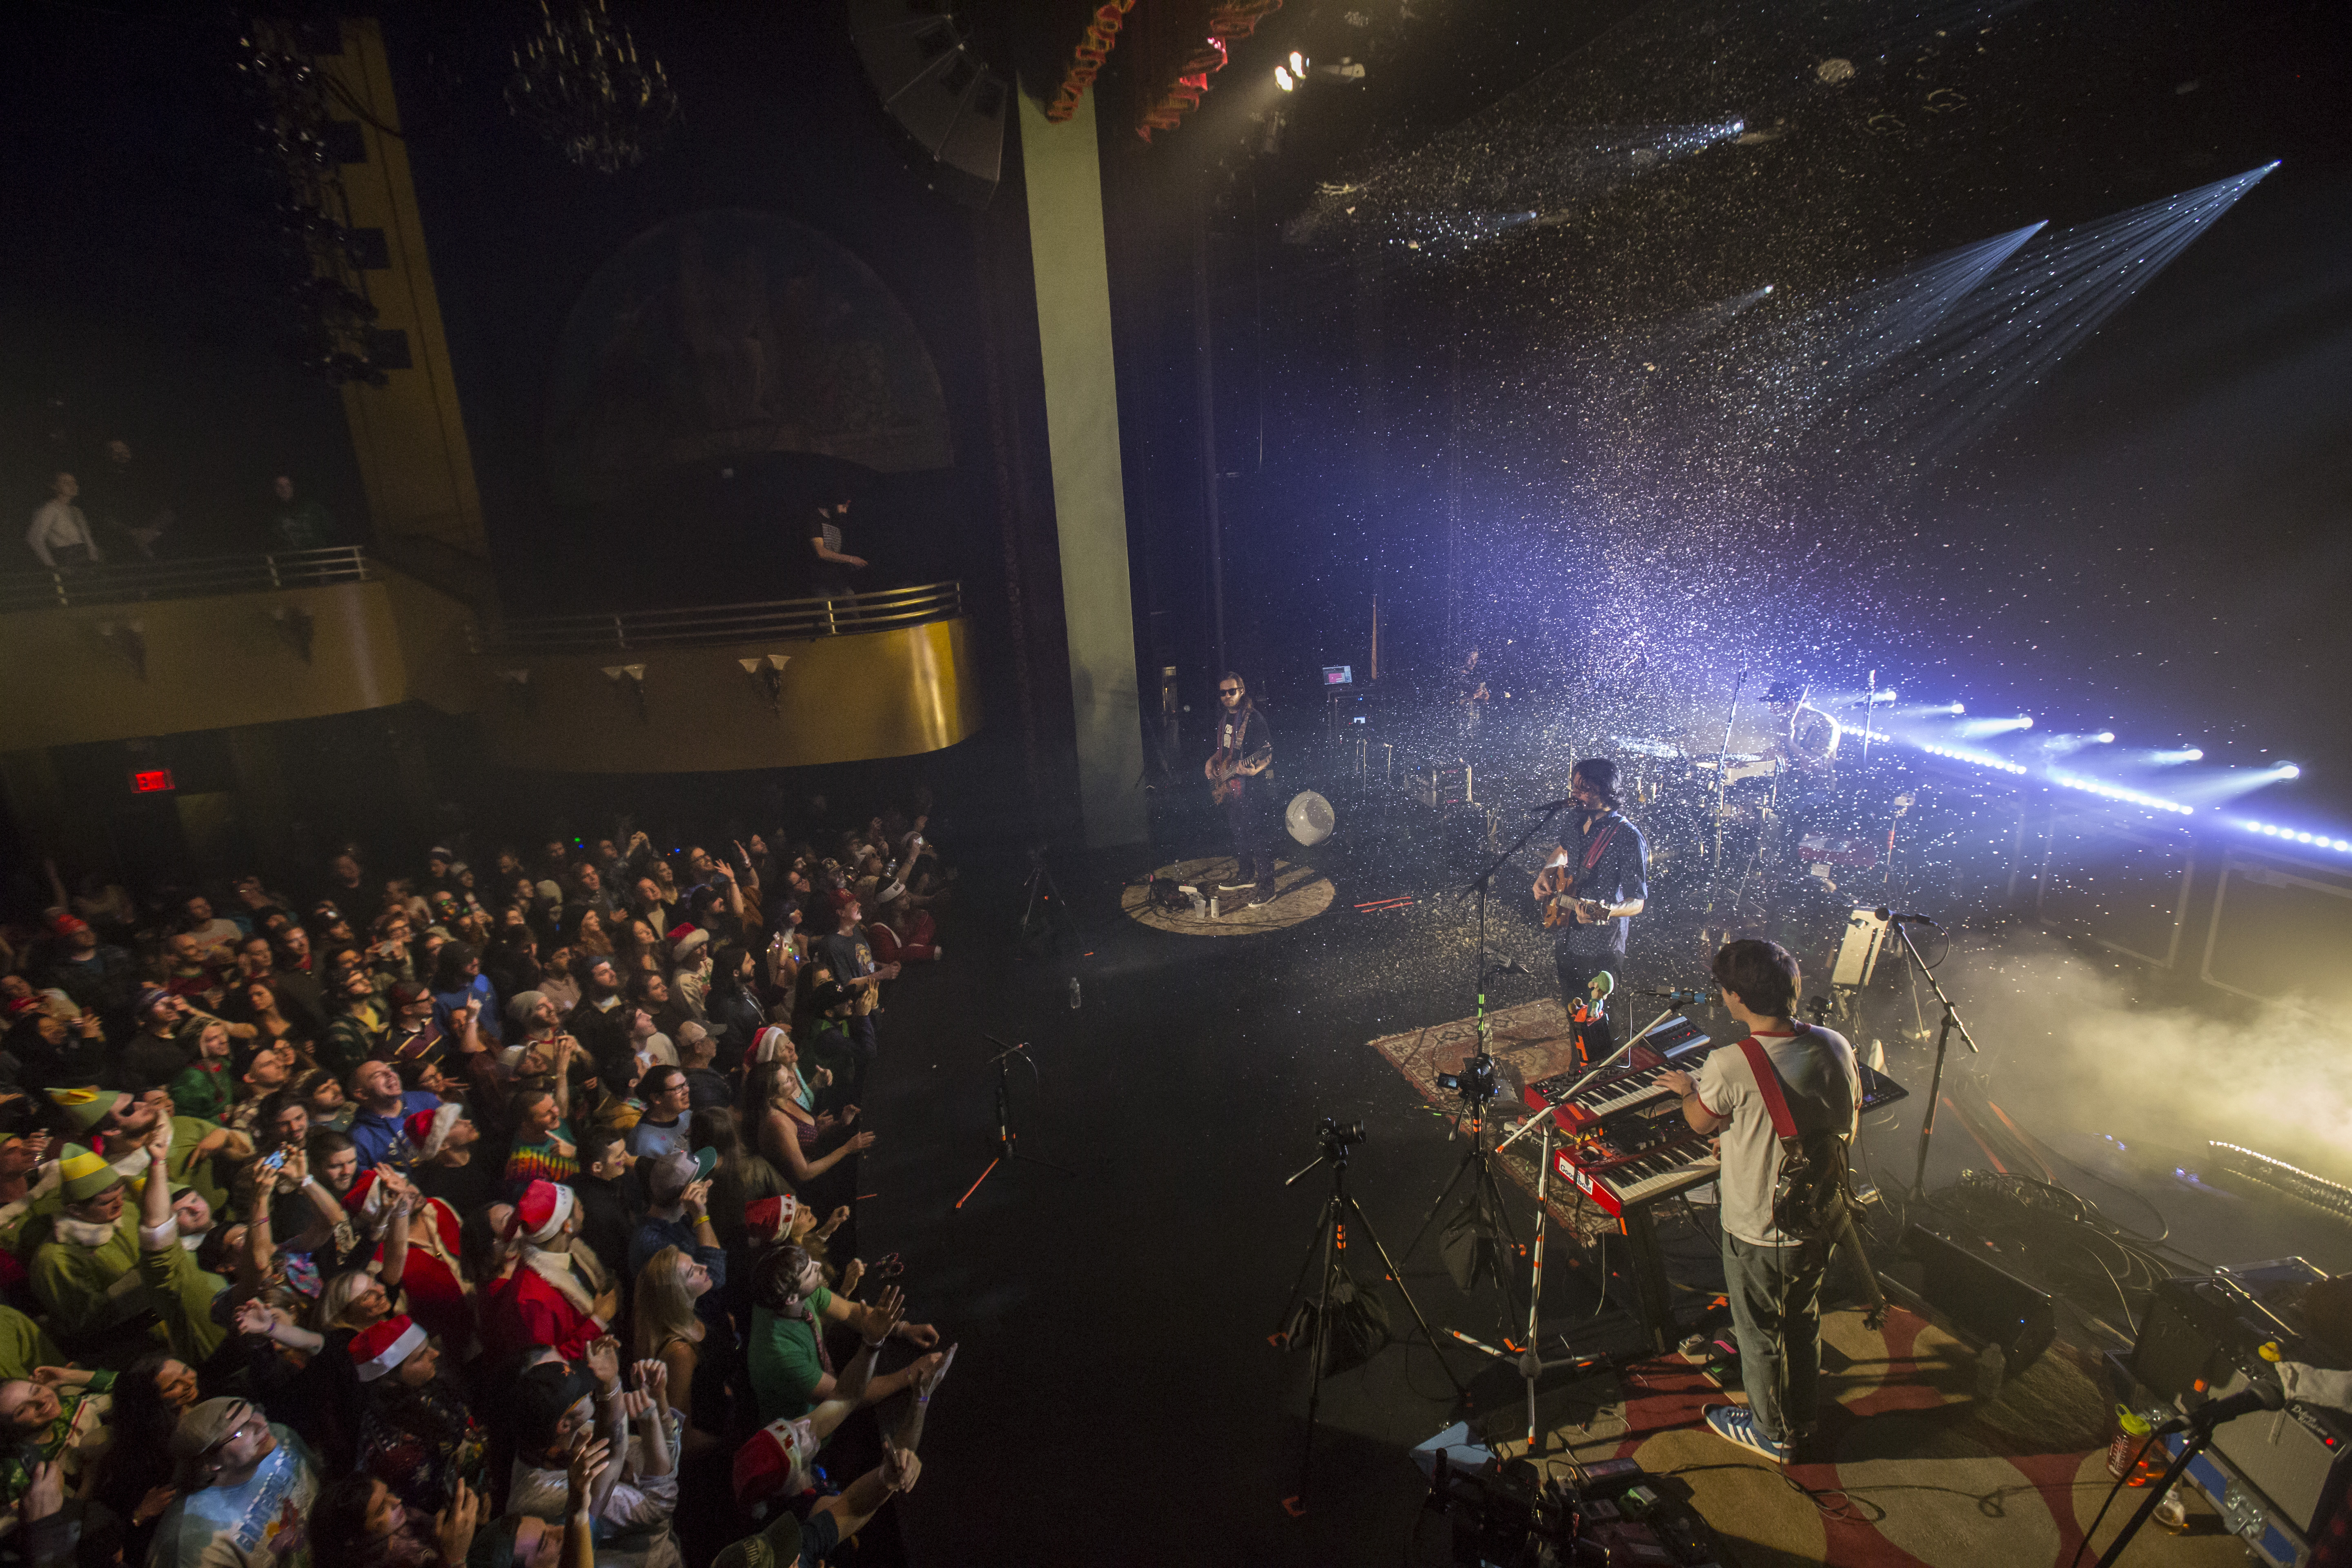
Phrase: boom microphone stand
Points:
(1477, 1082)
(1943, 1039)
(1005, 1137)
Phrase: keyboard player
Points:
(1599, 878)
(1774, 1283)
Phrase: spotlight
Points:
(2105, 737)
(2177, 757)
(1297, 63)
(1974, 727)
(1959, 708)
(2025, 721)
(1283, 79)
(2128, 797)
(2289, 771)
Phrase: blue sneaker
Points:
(1737, 1424)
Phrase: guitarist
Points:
(1595, 882)
(1236, 772)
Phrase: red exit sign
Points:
(153, 781)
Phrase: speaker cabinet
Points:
(1982, 1300)
(934, 84)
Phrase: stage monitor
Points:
(1339, 675)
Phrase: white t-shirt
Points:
(1823, 1089)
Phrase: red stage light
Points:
(154, 781)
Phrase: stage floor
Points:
(1116, 1397)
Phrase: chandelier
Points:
(579, 83)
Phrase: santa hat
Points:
(429, 1129)
(539, 1213)
(683, 952)
(774, 1463)
(381, 1347)
(764, 1043)
(66, 925)
(366, 1196)
(769, 1219)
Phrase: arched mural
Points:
(732, 332)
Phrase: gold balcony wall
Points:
(855, 696)
(218, 643)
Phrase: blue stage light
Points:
(2116, 792)
(1982, 759)
(2105, 737)
(2296, 835)
(2289, 771)
(2173, 758)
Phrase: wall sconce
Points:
(297, 626)
(518, 684)
(768, 675)
(128, 638)
(632, 676)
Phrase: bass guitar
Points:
(1224, 775)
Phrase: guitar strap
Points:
(1784, 1124)
(1594, 850)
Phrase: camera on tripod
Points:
(1337, 1135)
(1476, 1082)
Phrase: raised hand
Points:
(878, 1317)
(696, 1197)
(589, 1455)
(603, 1360)
(453, 1527)
(860, 1143)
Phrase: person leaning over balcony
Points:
(304, 524)
(60, 534)
(833, 563)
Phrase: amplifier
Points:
(2199, 1329)
(1984, 1301)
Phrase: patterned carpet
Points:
(1919, 1471)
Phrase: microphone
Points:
(1554, 805)
(1685, 997)
(2259, 1395)
(1897, 916)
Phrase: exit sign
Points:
(151, 781)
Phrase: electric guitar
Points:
(1225, 775)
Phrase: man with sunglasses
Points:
(1245, 752)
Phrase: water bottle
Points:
(1074, 992)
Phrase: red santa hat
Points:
(367, 1197)
(764, 1043)
(539, 1213)
(768, 1219)
(773, 1464)
(429, 1129)
(381, 1347)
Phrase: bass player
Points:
(1236, 774)
(1597, 879)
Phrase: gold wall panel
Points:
(225, 660)
(865, 695)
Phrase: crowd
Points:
(496, 1213)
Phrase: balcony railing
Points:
(110, 583)
(709, 624)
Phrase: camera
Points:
(1478, 1079)
(1337, 1135)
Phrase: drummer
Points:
(1804, 737)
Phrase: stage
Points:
(1115, 1334)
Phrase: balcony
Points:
(114, 652)
(721, 687)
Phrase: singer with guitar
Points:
(1236, 774)
(1597, 879)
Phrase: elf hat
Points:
(540, 1212)
(84, 1109)
(429, 1129)
(87, 1175)
(381, 1347)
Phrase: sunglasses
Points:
(1229, 691)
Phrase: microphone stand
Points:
(1722, 752)
(2201, 1432)
(1943, 1039)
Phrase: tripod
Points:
(1039, 932)
(1943, 1040)
(1330, 1240)
(1002, 1061)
